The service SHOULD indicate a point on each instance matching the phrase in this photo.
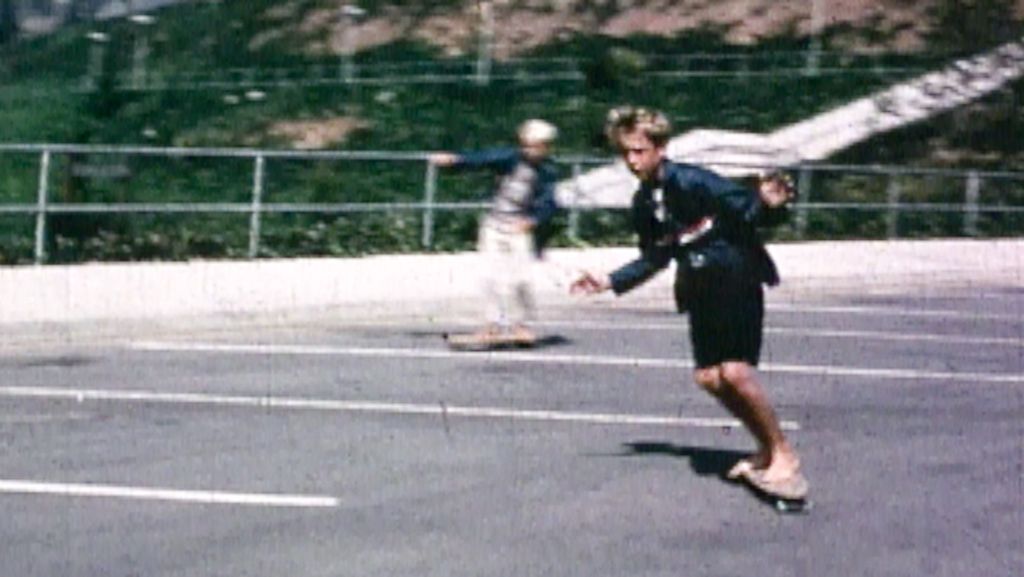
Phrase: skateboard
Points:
(790, 497)
(474, 342)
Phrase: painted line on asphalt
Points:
(902, 337)
(155, 494)
(822, 333)
(442, 410)
(826, 371)
(882, 311)
(891, 311)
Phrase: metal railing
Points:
(969, 205)
(687, 65)
(527, 70)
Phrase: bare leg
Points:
(738, 389)
(489, 246)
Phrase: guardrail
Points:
(144, 76)
(529, 70)
(815, 197)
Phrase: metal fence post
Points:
(41, 201)
(485, 40)
(892, 216)
(971, 197)
(876, 65)
(429, 192)
(574, 210)
(803, 187)
(350, 15)
(812, 64)
(257, 203)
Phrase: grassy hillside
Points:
(43, 100)
(614, 46)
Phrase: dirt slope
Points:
(523, 24)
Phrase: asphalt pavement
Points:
(355, 443)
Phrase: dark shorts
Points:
(726, 308)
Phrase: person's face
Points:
(534, 151)
(641, 155)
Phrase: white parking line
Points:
(825, 371)
(153, 494)
(440, 410)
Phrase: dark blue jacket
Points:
(692, 194)
(503, 161)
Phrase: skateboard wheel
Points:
(786, 506)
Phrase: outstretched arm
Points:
(764, 204)
(624, 278)
(500, 159)
(443, 159)
(590, 284)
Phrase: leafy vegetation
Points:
(65, 88)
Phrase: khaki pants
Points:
(507, 270)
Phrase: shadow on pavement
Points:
(704, 461)
(542, 342)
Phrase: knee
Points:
(735, 373)
(732, 376)
(709, 379)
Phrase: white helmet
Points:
(536, 131)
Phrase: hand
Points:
(776, 189)
(524, 225)
(443, 159)
(589, 284)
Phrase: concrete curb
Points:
(402, 285)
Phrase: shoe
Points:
(522, 336)
(489, 335)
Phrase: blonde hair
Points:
(651, 123)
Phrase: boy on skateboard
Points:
(523, 204)
(707, 223)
